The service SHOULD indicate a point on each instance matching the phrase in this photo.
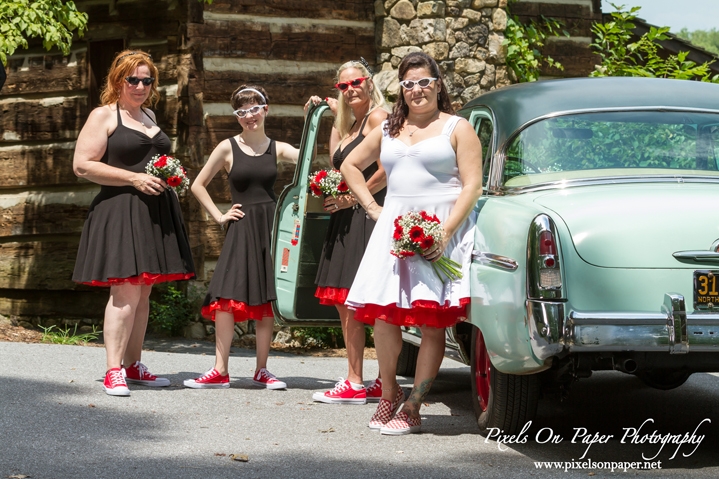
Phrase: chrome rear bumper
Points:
(553, 332)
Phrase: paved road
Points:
(56, 422)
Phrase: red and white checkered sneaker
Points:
(138, 374)
(114, 383)
(374, 391)
(402, 424)
(266, 379)
(386, 410)
(210, 380)
(343, 393)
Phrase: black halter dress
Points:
(130, 236)
(243, 282)
(348, 232)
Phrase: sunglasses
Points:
(423, 83)
(253, 111)
(354, 84)
(134, 81)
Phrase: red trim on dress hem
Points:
(422, 313)
(241, 311)
(332, 296)
(145, 279)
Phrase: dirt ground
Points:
(18, 334)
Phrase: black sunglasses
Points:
(134, 81)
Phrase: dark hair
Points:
(240, 97)
(395, 121)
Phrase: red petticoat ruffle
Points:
(422, 313)
(241, 311)
(331, 296)
(143, 279)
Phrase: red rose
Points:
(342, 187)
(427, 242)
(407, 253)
(320, 176)
(398, 234)
(315, 189)
(435, 219)
(174, 181)
(416, 234)
(162, 161)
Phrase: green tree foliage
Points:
(706, 39)
(525, 43)
(174, 311)
(53, 21)
(621, 57)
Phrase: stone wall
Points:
(464, 36)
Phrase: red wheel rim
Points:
(481, 371)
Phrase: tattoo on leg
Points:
(419, 392)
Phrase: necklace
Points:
(425, 126)
(139, 121)
(258, 148)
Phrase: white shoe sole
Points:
(400, 432)
(158, 383)
(190, 383)
(116, 391)
(373, 399)
(277, 385)
(320, 397)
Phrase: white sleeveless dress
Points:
(408, 292)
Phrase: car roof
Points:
(515, 105)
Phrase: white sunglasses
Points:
(423, 83)
(253, 111)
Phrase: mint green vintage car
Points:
(596, 248)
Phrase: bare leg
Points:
(354, 336)
(263, 332)
(133, 352)
(388, 341)
(119, 318)
(431, 352)
(224, 331)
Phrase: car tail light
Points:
(544, 263)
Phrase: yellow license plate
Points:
(706, 290)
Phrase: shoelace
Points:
(339, 386)
(265, 374)
(116, 378)
(375, 384)
(144, 373)
(209, 375)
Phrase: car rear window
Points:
(614, 144)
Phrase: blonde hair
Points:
(345, 117)
(123, 65)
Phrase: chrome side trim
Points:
(697, 256)
(546, 324)
(494, 260)
(676, 313)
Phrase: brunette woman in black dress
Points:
(360, 109)
(134, 235)
(243, 285)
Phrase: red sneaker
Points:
(386, 410)
(343, 393)
(374, 390)
(114, 383)
(210, 380)
(138, 374)
(267, 380)
(402, 424)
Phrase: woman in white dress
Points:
(433, 163)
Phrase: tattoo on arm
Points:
(419, 392)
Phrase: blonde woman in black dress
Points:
(134, 235)
(360, 109)
(243, 285)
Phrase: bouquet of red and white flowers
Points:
(415, 233)
(328, 182)
(170, 170)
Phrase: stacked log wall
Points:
(43, 105)
(573, 52)
(290, 47)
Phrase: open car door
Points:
(299, 232)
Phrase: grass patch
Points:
(64, 336)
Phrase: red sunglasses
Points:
(354, 84)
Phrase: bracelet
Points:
(368, 204)
(396, 385)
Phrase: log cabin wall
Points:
(44, 104)
(574, 52)
(290, 47)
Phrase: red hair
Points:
(123, 65)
